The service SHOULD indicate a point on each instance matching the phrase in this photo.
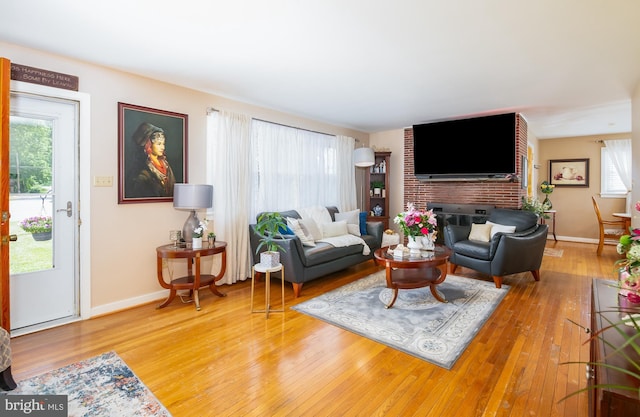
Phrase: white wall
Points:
(124, 236)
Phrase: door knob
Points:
(68, 209)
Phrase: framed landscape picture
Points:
(569, 172)
(152, 153)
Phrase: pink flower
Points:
(633, 297)
(637, 205)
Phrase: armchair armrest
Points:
(515, 252)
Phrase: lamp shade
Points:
(192, 196)
(364, 157)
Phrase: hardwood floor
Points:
(224, 361)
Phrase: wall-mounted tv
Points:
(476, 148)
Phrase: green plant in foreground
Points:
(631, 320)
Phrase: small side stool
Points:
(6, 379)
(267, 289)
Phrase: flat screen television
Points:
(476, 148)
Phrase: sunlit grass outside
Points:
(28, 255)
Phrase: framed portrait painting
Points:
(569, 172)
(152, 153)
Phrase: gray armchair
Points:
(504, 253)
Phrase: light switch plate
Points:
(104, 181)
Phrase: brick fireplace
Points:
(496, 193)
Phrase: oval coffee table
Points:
(407, 273)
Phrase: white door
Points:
(43, 169)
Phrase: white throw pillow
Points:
(334, 229)
(297, 229)
(495, 228)
(480, 232)
(311, 228)
(319, 214)
(353, 221)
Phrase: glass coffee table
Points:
(405, 273)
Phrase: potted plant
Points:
(39, 226)
(535, 206)
(270, 226)
(211, 237)
(377, 187)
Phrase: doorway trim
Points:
(84, 187)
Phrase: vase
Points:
(196, 243)
(414, 246)
(547, 202)
(427, 242)
(270, 259)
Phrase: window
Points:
(611, 184)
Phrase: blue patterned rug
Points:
(100, 386)
(417, 323)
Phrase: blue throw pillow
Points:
(285, 230)
(363, 223)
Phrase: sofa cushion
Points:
(337, 228)
(353, 221)
(363, 223)
(480, 232)
(473, 249)
(501, 228)
(324, 252)
(298, 230)
(311, 228)
(318, 213)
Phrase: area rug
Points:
(100, 386)
(417, 323)
(556, 253)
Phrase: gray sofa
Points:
(504, 253)
(305, 263)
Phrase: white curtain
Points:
(347, 174)
(620, 155)
(294, 168)
(228, 168)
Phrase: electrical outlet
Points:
(103, 181)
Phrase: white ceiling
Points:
(569, 66)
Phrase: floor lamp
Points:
(363, 158)
(192, 197)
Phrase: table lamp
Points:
(192, 197)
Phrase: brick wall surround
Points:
(497, 193)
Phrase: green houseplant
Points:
(377, 186)
(270, 227)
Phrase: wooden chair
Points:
(614, 228)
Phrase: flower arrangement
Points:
(546, 188)
(629, 267)
(534, 205)
(37, 224)
(416, 222)
(201, 229)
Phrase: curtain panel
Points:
(258, 166)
